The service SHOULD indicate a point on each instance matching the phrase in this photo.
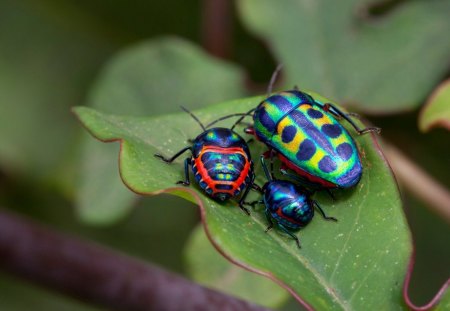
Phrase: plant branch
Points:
(98, 275)
(216, 27)
(418, 182)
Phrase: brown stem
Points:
(97, 275)
(216, 28)
(418, 182)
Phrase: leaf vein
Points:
(321, 280)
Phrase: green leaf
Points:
(208, 268)
(152, 77)
(46, 60)
(382, 64)
(444, 303)
(357, 263)
(436, 111)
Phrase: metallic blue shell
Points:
(287, 204)
(219, 137)
(222, 163)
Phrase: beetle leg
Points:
(170, 160)
(269, 154)
(264, 166)
(331, 108)
(272, 153)
(241, 205)
(251, 185)
(244, 196)
(354, 115)
(327, 108)
(186, 181)
(269, 220)
(322, 212)
(257, 188)
(286, 230)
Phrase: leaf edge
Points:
(194, 197)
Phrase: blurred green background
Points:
(51, 52)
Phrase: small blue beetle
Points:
(220, 161)
(288, 204)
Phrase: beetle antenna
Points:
(248, 113)
(266, 171)
(225, 117)
(273, 79)
(194, 117)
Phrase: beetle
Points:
(221, 163)
(307, 137)
(287, 204)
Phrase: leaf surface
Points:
(207, 267)
(436, 111)
(379, 64)
(444, 303)
(350, 265)
(47, 58)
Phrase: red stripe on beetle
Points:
(305, 174)
(280, 213)
(211, 182)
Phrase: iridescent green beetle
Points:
(307, 137)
